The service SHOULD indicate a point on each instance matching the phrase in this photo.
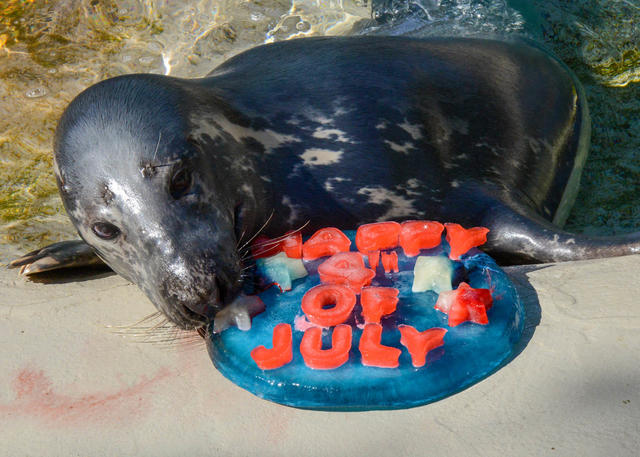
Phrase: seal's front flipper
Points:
(65, 254)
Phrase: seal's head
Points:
(142, 193)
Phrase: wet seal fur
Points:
(162, 176)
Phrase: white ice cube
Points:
(432, 273)
(281, 269)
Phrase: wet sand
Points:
(70, 385)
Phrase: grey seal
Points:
(165, 178)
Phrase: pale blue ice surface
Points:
(470, 352)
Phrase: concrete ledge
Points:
(71, 386)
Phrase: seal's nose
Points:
(206, 306)
(197, 300)
(210, 302)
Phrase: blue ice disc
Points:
(470, 352)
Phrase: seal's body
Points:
(357, 130)
(163, 177)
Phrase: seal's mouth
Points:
(206, 310)
(193, 303)
(227, 307)
(199, 303)
(214, 281)
(192, 321)
(236, 312)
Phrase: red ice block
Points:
(290, 243)
(374, 259)
(465, 304)
(461, 240)
(390, 262)
(417, 235)
(346, 268)
(377, 236)
(377, 302)
(326, 241)
(265, 247)
(328, 304)
(375, 354)
(280, 354)
(326, 359)
(420, 343)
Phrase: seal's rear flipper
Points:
(65, 254)
(519, 237)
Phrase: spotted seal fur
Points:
(162, 176)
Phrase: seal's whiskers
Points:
(162, 333)
(147, 318)
(241, 248)
(270, 242)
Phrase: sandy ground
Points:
(69, 385)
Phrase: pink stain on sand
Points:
(36, 397)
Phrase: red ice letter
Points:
(377, 302)
(328, 304)
(420, 343)
(280, 354)
(377, 236)
(326, 359)
(326, 241)
(375, 354)
(346, 268)
(417, 235)
(390, 262)
(461, 240)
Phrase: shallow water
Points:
(51, 50)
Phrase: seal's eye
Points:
(105, 230)
(180, 183)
